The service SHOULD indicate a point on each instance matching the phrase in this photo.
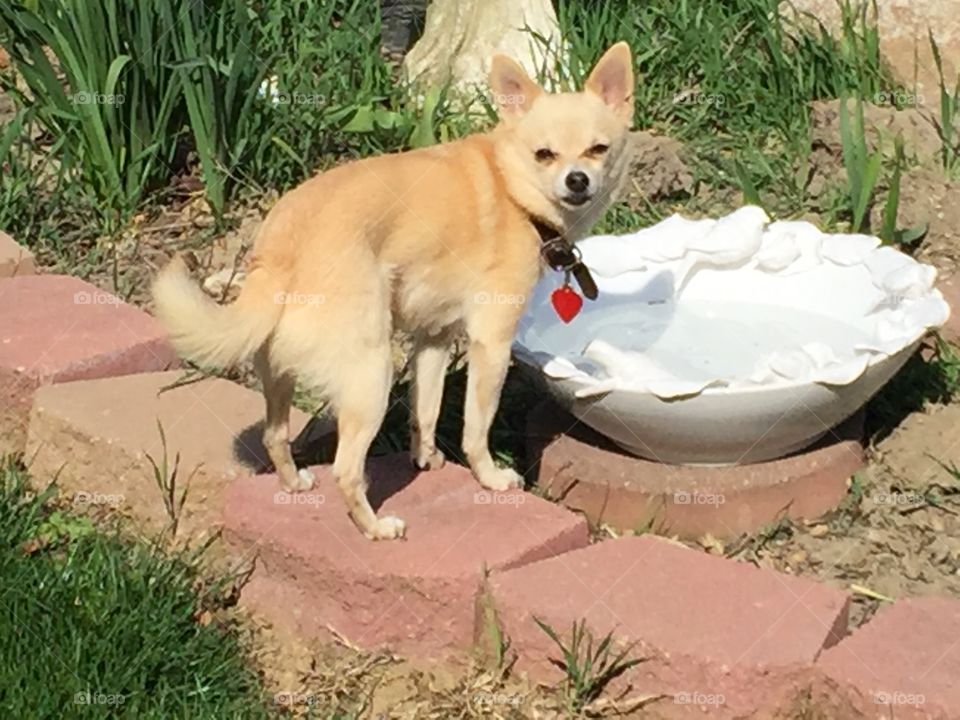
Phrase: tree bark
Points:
(461, 36)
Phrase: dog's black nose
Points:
(578, 181)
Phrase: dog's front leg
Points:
(488, 358)
(429, 369)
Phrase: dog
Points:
(439, 242)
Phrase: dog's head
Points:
(558, 150)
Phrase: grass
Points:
(89, 619)
(167, 477)
(863, 175)
(261, 102)
(757, 116)
(949, 111)
(588, 666)
(862, 165)
(109, 93)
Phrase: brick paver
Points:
(417, 594)
(54, 329)
(95, 437)
(716, 633)
(15, 259)
(904, 663)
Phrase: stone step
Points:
(97, 436)
(585, 472)
(56, 328)
(718, 636)
(417, 595)
(904, 663)
(15, 259)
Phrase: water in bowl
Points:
(706, 340)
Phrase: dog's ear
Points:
(612, 79)
(513, 90)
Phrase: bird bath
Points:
(729, 341)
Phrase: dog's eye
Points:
(598, 149)
(545, 155)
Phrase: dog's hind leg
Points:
(278, 392)
(363, 390)
(430, 359)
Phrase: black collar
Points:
(560, 255)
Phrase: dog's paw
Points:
(428, 459)
(388, 528)
(304, 481)
(501, 479)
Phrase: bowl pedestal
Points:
(584, 471)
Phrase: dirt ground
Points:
(898, 533)
(342, 680)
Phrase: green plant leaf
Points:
(362, 121)
(424, 134)
(750, 193)
(911, 237)
(891, 208)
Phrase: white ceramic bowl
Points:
(729, 341)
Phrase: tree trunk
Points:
(461, 36)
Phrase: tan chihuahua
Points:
(437, 242)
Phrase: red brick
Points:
(708, 627)
(14, 259)
(585, 472)
(416, 595)
(95, 437)
(54, 329)
(904, 663)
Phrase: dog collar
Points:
(563, 256)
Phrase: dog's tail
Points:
(211, 335)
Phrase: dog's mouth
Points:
(576, 199)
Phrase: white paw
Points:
(501, 479)
(304, 481)
(388, 528)
(426, 459)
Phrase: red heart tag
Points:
(566, 302)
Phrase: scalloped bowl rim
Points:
(593, 250)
